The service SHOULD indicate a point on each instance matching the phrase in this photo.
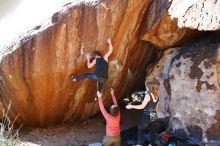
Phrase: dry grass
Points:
(8, 134)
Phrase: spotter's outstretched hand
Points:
(112, 91)
(99, 94)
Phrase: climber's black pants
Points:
(147, 117)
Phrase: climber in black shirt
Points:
(101, 62)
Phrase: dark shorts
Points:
(147, 117)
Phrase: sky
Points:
(17, 16)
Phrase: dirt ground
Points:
(77, 134)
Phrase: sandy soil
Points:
(77, 134)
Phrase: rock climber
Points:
(97, 59)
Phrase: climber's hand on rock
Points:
(109, 41)
(87, 56)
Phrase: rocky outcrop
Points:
(35, 70)
(196, 14)
(189, 85)
(159, 29)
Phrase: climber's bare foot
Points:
(73, 79)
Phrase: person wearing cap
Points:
(149, 104)
(112, 121)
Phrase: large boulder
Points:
(189, 85)
(196, 14)
(35, 70)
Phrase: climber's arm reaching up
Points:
(110, 50)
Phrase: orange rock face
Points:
(159, 29)
(35, 70)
